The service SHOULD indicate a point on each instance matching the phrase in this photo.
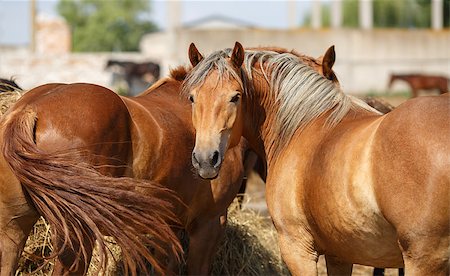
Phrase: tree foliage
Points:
(387, 14)
(101, 25)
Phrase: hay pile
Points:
(249, 248)
(38, 245)
(7, 99)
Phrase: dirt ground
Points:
(255, 200)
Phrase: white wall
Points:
(364, 58)
(31, 70)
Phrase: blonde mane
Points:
(300, 94)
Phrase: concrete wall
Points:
(364, 58)
(31, 70)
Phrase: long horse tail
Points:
(81, 204)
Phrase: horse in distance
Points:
(421, 82)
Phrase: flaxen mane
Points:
(300, 93)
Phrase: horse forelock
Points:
(216, 61)
(300, 94)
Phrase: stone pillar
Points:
(366, 14)
(33, 26)
(292, 14)
(437, 14)
(336, 13)
(316, 15)
(173, 25)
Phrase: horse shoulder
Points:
(157, 118)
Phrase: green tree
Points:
(402, 14)
(387, 14)
(325, 17)
(100, 25)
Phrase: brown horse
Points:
(146, 137)
(343, 180)
(47, 168)
(145, 74)
(422, 82)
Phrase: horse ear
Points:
(194, 55)
(328, 62)
(237, 57)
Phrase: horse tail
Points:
(81, 204)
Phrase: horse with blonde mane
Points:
(343, 180)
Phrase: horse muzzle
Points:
(207, 163)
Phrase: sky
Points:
(15, 21)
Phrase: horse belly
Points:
(360, 238)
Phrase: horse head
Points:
(218, 88)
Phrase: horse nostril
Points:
(194, 158)
(215, 159)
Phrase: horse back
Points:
(411, 165)
(162, 132)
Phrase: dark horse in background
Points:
(422, 82)
(138, 76)
(8, 85)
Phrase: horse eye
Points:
(191, 98)
(235, 98)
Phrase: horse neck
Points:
(259, 116)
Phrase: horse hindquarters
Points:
(413, 181)
(73, 196)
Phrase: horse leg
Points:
(426, 256)
(13, 235)
(241, 193)
(17, 217)
(204, 238)
(299, 255)
(378, 271)
(337, 267)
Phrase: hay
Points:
(38, 245)
(7, 99)
(249, 248)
